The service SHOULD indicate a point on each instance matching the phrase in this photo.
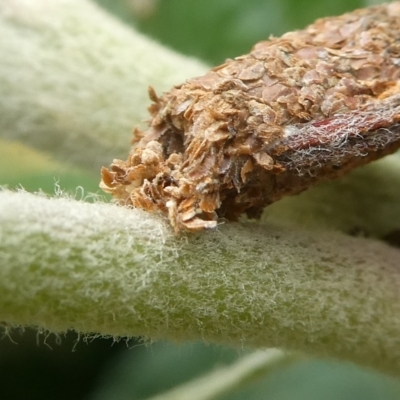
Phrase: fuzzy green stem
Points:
(74, 80)
(101, 268)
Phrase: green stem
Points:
(101, 268)
(74, 80)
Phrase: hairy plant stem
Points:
(74, 77)
(106, 269)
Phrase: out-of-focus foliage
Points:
(150, 371)
(23, 167)
(216, 30)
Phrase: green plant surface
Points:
(153, 369)
(74, 83)
(24, 167)
(121, 272)
(227, 28)
(166, 367)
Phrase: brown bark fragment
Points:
(299, 109)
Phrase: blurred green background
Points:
(36, 366)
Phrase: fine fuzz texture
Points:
(306, 107)
(106, 269)
(72, 76)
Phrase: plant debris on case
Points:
(305, 107)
